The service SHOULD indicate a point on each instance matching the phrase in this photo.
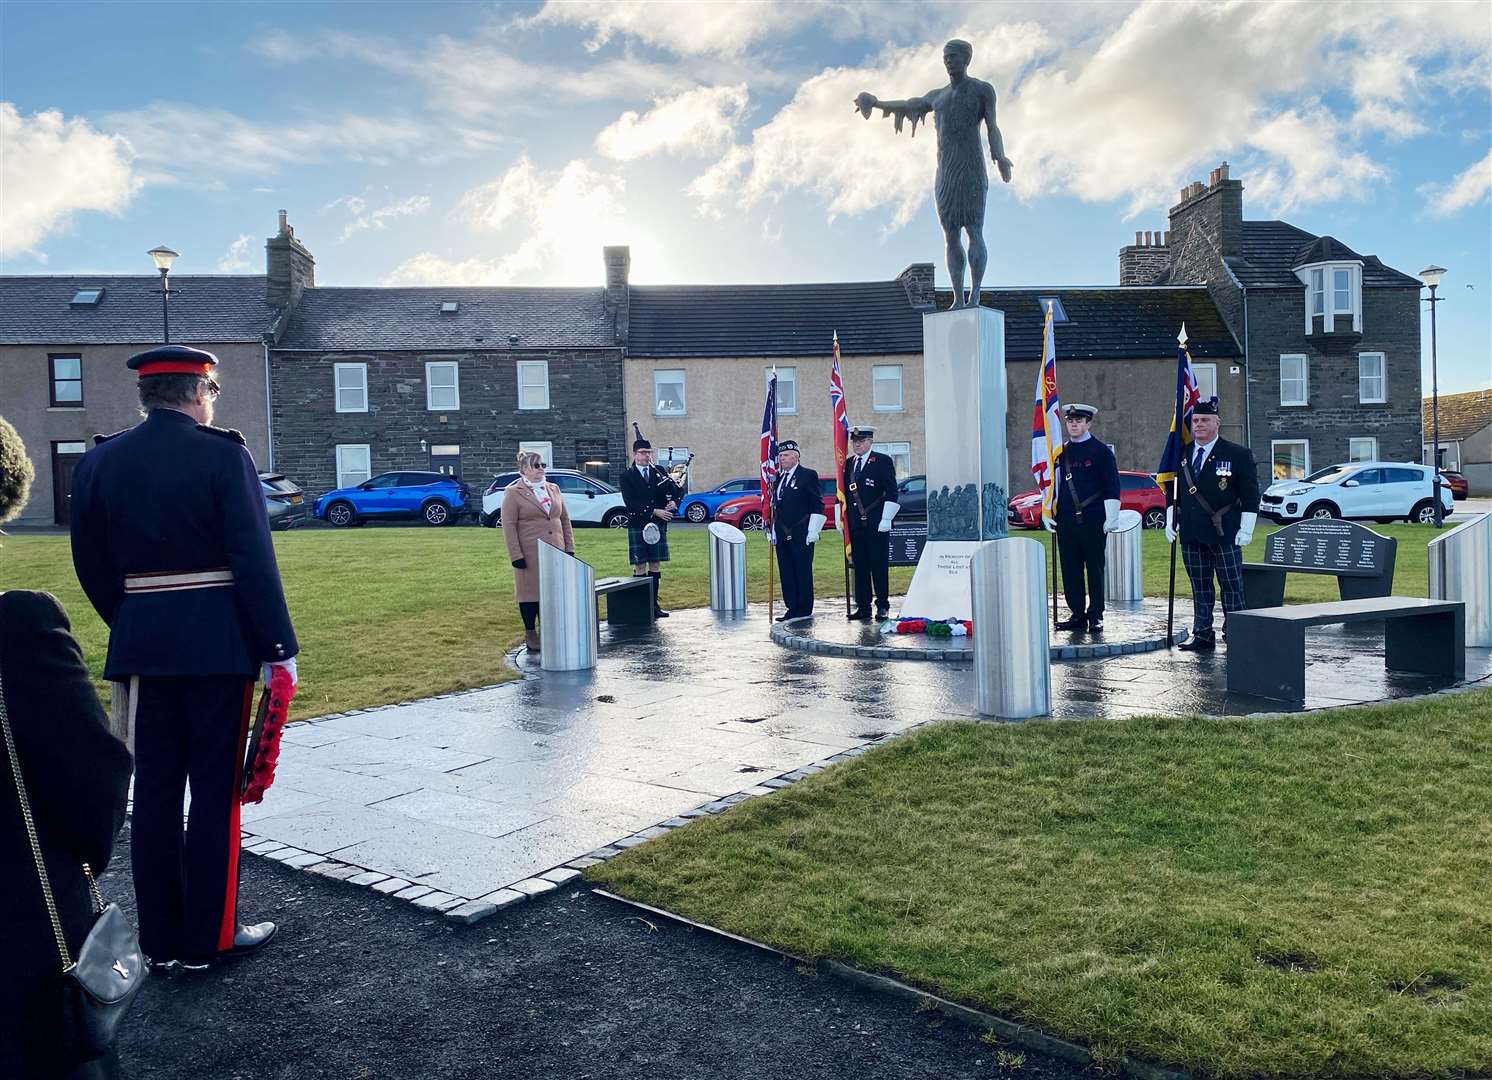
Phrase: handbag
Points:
(97, 988)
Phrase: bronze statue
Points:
(962, 180)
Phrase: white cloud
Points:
(702, 120)
(377, 217)
(51, 169)
(551, 225)
(1467, 189)
(236, 259)
(726, 27)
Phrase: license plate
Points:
(295, 498)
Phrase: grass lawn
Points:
(1298, 897)
(387, 614)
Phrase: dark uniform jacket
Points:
(1229, 483)
(799, 500)
(875, 486)
(1095, 477)
(169, 495)
(76, 775)
(644, 495)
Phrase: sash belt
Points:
(181, 581)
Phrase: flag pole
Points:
(771, 567)
(1178, 424)
(1171, 590)
(1054, 552)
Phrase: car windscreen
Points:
(280, 484)
(1330, 475)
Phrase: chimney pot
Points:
(1138, 241)
(1222, 171)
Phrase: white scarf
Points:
(541, 493)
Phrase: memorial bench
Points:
(1266, 646)
(1361, 560)
(629, 600)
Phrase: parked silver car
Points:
(284, 501)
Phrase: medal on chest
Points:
(1224, 470)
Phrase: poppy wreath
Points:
(939, 628)
(262, 772)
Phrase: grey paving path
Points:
(490, 795)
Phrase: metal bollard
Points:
(727, 568)
(568, 635)
(1123, 577)
(1461, 569)
(1012, 664)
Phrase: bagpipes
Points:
(263, 750)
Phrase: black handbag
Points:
(96, 989)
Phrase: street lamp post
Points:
(164, 257)
(1431, 276)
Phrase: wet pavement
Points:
(467, 802)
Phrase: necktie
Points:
(1201, 457)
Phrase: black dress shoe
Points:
(1095, 626)
(1076, 622)
(247, 939)
(858, 616)
(1198, 644)
(882, 614)
(659, 613)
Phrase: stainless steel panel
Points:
(727, 568)
(1012, 662)
(1461, 569)
(568, 635)
(1123, 577)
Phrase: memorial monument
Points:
(963, 348)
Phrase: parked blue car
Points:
(700, 508)
(435, 498)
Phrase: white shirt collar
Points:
(1086, 436)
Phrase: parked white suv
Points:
(1382, 491)
(589, 501)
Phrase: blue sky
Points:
(485, 143)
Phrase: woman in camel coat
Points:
(533, 510)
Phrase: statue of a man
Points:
(963, 180)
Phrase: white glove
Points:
(288, 665)
(889, 511)
(1049, 523)
(815, 526)
(1111, 515)
(1246, 525)
(1170, 524)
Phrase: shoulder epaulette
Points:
(224, 432)
(99, 440)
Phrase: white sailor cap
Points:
(1080, 411)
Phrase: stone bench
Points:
(629, 600)
(1361, 560)
(1266, 646)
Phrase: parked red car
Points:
(1137, 491)
(745, 512)
(1456, 482)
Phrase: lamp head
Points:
(1431, 275)
(163, 257)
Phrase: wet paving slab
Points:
(479, 795)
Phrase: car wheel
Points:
(492, 520)
(1423, 513)
(751, 520)
(614, 519)
(696, 512)
(341, 515)
(1155, 518)
(1321, 510)
(436, 512)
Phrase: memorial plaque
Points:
(907, 541)
(1337, 547)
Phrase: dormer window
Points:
(1333, 297)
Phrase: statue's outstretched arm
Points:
(914, 108)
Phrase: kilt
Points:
(639, 551)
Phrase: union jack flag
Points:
(841, 439)
(769, 452)
(1188, 393)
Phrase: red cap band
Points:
(173, 367)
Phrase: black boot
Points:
(657, 576)
(1074, 622)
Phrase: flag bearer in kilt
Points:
(171, 544)
(1217, 506)
(797, 519)
(870, 497)
(1087, 510)
(652, 498)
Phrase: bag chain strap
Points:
(41, 868)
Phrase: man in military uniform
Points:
(870, 498)
(1087, 510)
(1217, 506)
(171, 543)
(652, 498)
(797, 518)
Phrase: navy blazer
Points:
(876, 485)
(797, 501)
(642, 497)
(1229, 482)
(172, 495)
(1095, 477)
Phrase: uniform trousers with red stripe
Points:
(189, 730)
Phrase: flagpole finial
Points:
(1181, 337)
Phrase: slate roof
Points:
(1461, 415)
(1118, 323)
(1272, 249)
(364, 319)
(204, 309)
(872, 317)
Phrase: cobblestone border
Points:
(790, 636)
(1008, 1030)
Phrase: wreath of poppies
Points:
(262, 772)
(936, 628)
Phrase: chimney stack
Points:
(290, 268)
(1216, 208)
(1146, 259)
(618, 294)
(917, 280)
